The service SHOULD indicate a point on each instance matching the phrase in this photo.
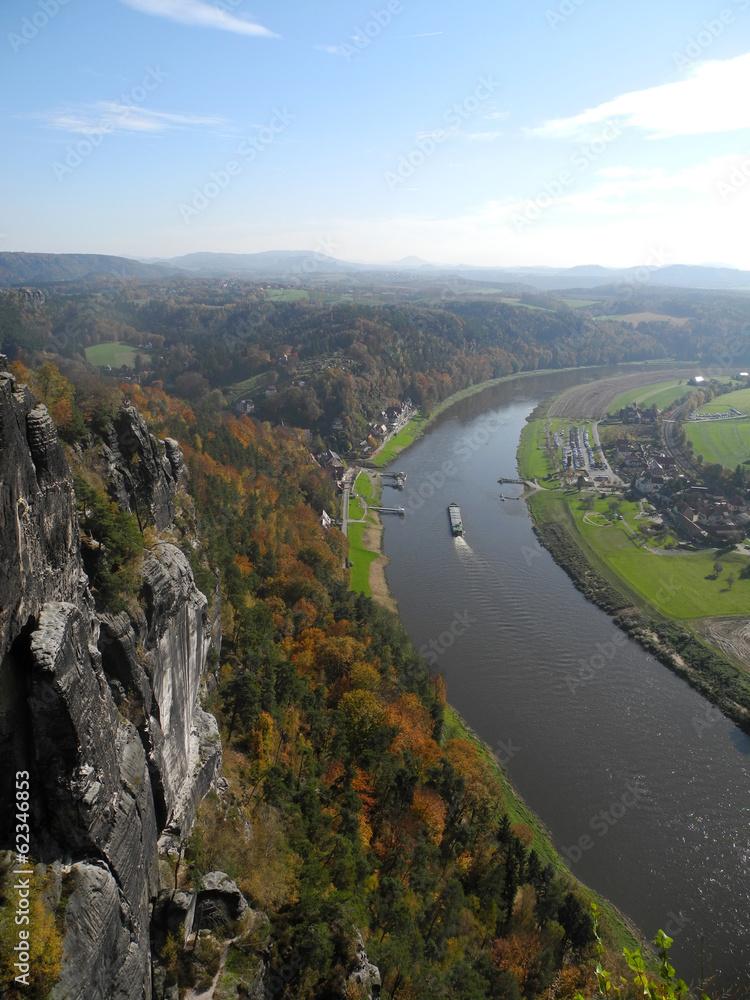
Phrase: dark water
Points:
(644, 784)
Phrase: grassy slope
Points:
(400, 441)
(533, 457)
(724, 441)
(251, 385)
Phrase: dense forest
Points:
(329, 358)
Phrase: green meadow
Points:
(724, 441)
(360, 559)
(115, 355)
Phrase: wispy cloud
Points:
(426, 34)
(483, 136)
(199, 14)
(631, 192)
(111, 117)
(711, 100)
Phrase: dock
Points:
(398, 479)
(389, 510)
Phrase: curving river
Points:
(645, 787)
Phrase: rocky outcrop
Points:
(365, 977)
(144, 477)
(156, 667)
(220, 902)
(105, 715)
(39, 542)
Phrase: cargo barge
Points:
(454, 513)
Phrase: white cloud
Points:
(199, 14)
(111, 117)
(713, 99)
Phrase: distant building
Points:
(325, 521)
(245, 406)
(696, 380)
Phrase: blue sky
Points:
(505, 132)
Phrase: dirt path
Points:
(731, 635)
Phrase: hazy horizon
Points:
(537, 134)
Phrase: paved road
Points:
(345, 510)
(609, 470)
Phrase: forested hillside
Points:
(330, 358)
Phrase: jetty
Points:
(390, 510)
(397, 479)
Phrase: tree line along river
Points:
(644, 786)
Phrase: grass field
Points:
(287, 294)
(526, 305)
(661, 393)
(356, 509)
(241, 389)
(724, 441)
(740, 400)
(115, 354)
(677, 584)
(360, 559)
(646, 317)
(363, 486)
(579, 303)
(533, 457)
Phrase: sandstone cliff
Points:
(105, 782)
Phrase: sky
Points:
(479, 132)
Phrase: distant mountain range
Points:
(299, 265)
(48, 268)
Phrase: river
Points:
(644, 787)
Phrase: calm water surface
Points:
(644, 786)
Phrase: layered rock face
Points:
(158, 663)
(104, 782)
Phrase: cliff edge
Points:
(103, 711)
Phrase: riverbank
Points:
(663, 627)
(366, 556)
(420, 422)
(616, 930)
